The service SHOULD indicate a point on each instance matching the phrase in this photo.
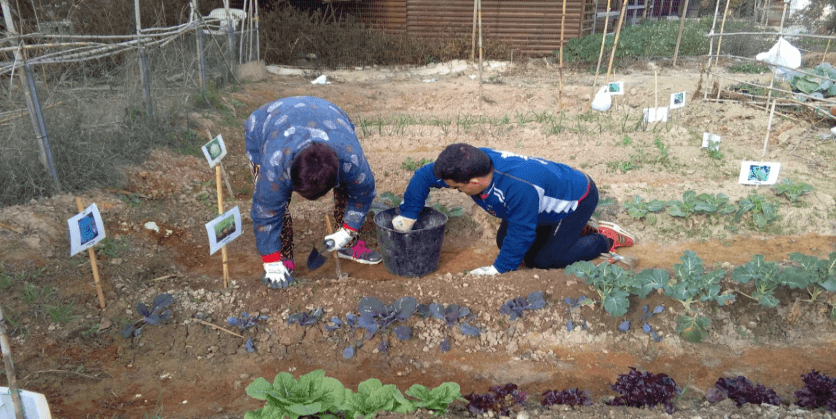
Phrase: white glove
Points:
(341, 238)
(277, 276)
(402, 223)
(485, 270)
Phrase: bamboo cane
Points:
(479, 13)
(825, 52)
(560, 67)
(10, 368)
(601, 53)
(679, 36)
(220, 193)
(93, 264)
(615, 41)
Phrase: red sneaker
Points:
(619, 236)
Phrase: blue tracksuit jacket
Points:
(275, 133)
(526, 191)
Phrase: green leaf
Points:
(766, 299)
(693, 329)
(651, 279)
(305, 409)
(259, 388)
(616, 303)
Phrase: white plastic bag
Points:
(602, 101)
(782, 53)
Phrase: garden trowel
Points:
(317, 256)
(613, 257)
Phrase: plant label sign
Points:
(758, 173)
(214, 151)
(655, 114)
(224, 229)
(86, 229)
(711, 141)
(34, 404)
(616, 88)
(677, 100)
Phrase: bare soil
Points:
(188, 369)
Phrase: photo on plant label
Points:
(711, 141)
(759, 173)
(223, 229)
(616, 88)
(214, 151)
(86, 229)
(677, 100)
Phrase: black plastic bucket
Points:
(415, 252)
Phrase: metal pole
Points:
(45, 152)
(41, 128)
(201, 73)
(257, 45)
(600, 53)
(143, 70)
(473, 34)
(230, 30)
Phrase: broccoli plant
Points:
(703, 203)
(763, 211)
(792, 190)
(766, 276)
(515, 306)
(613, 284)
(814, 275)
(692, 284)
(638, 208)
(155, 315)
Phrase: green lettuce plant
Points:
(312, 394)
(436, 400)
(638, 208)
(763, 211)
(373, 396)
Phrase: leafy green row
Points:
(314, 394)
(691, 283)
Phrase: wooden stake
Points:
(656, 89)
(615, 41)
(473, 33)
(722, 26)
(679, 36)
(10, 368)
(560, 68)
(336, 255)
(600, 54)
(825, 51)
(93, 263)
(221, 211)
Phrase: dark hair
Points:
(313, 171)
(461, 162)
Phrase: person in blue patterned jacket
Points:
(545, 206)
(307, 145)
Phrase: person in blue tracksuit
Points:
(544, 206)
(307, 145)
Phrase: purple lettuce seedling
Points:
(305, 319)
(741, 390)
(646, 314)
(645, 389)
(515, 307)
(570, 397)
(819, 391)
(575, 304)
(245, 321)
(503, 399)
(155, 316)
